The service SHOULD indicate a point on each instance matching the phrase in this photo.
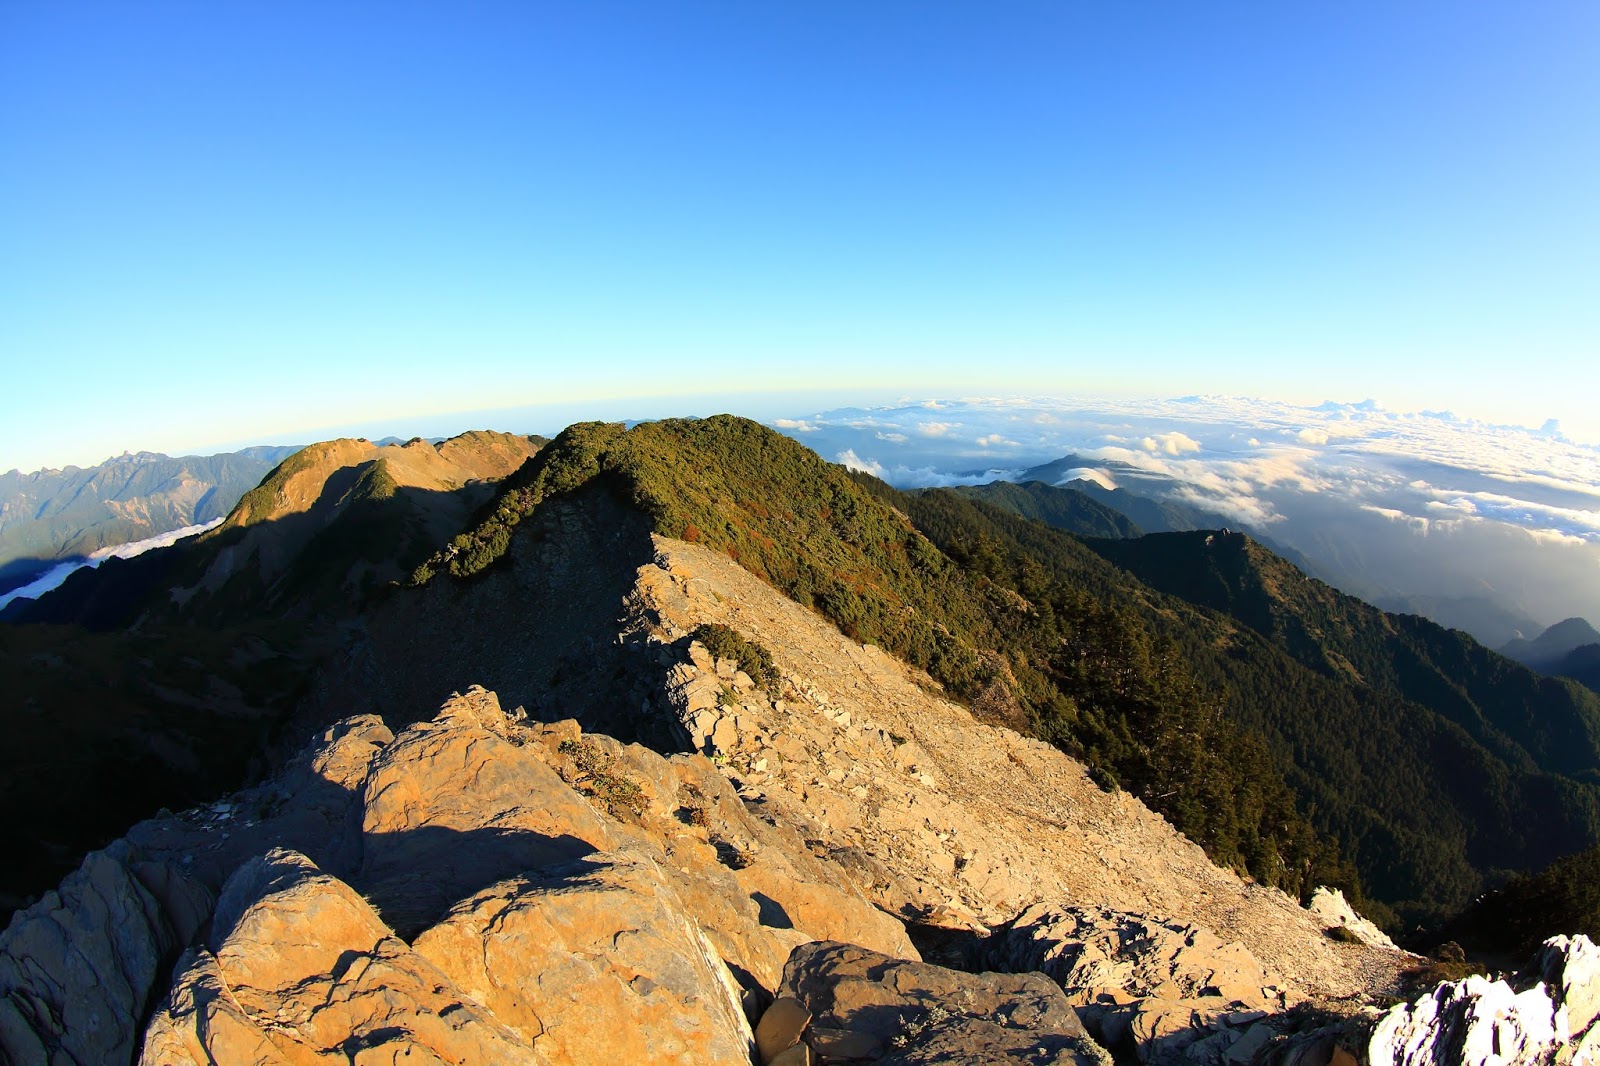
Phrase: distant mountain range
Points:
(1570, 648)
(53, 515)
(1153, 501)
(1150, 513)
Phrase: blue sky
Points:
(233, 221)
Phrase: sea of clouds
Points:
(52, 578)
(1382, 503)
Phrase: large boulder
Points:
(299, 969)
(894, 1011)
(1570, 969)
(83, 965)
(455, 804)
(595, 962)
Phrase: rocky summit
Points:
(826, 863)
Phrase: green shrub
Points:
(726, 643)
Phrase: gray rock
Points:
(83, 965)
(78, 968)
(1134, 979)
(780, 1027)
(1244, 1050)
(921, 1013)
(1335, 912)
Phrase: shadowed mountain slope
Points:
(1429, 808)
(165, 679)
(1525, 719)
(328, 526)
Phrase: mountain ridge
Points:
(988, 606)
(776, 786)
(884, 657)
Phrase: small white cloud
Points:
(936, 429)
(799, 425)
(1315, 437)
(1241, 508)
(1418, 523)
(1170, 443)
(1555, 536)
(850, 460)
(892, 438)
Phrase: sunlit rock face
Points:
(1478, 1020)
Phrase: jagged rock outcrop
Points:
(455, 804)
(1157, 987)
(1482, 1021)
(299, 968)
(1570, 969)
(1335, 913)
(568, 899)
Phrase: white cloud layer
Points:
(57, 574)
(1381, 502)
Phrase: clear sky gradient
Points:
(231, 221)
